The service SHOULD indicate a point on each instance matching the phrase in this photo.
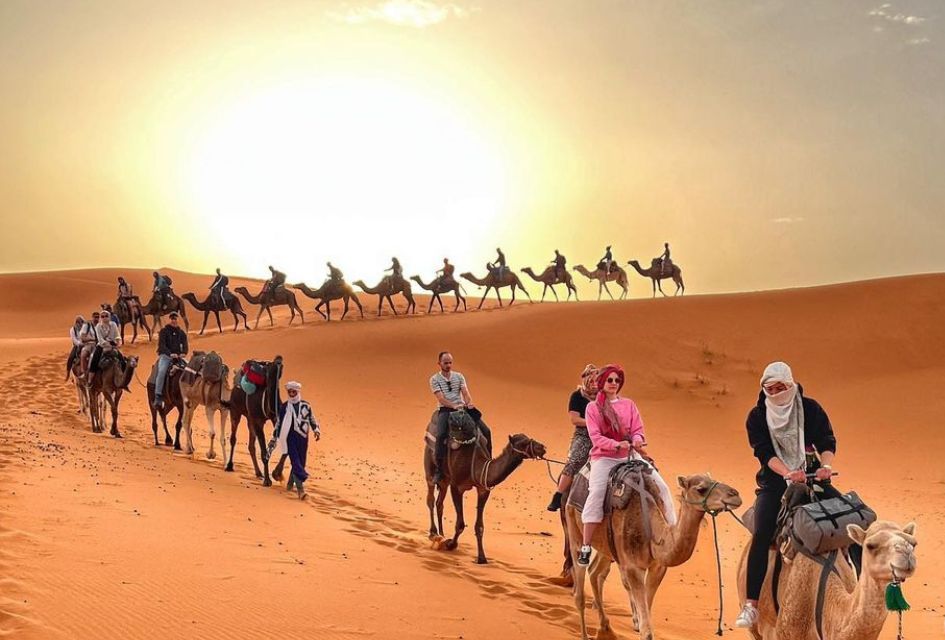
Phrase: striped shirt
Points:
(450, 387)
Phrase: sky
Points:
(772, 143)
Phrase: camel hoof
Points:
(267, 482)
(228, 467)
(450, 544)
(115, 434)
(211, 455)
(606, 634)
(481, 561)
(177, 446)
(168, 442)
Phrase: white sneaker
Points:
(748, 617)
(584, 557)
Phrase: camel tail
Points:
(463, 289)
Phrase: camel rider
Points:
(88, 339)
(172, 347)
(396, 270)
(606, 263)
(451, 392)
(791, 436)
(106, 342)
(162, 287)
(446, 273)
(219, 288)
(334, 274)
(560, 263)
(500, 263)
(75, 336)
(126, 294)
(665, 263)
(296, 420)
(276, 280)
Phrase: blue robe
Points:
(297, 437)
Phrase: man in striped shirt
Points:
(452, 394)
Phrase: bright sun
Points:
(352, 171)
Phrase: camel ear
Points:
(682, 482)
(909, 529)
(510, 439)
(856, 533)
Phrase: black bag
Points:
(821, 527)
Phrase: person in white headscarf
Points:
(296, 421)
(791, 436)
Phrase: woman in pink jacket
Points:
(616, 430)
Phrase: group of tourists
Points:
(91, 340)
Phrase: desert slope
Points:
(157, 544)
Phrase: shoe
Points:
(748, 617)
(584, 557)
(158, 403)
(555, 503)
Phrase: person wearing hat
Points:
(296, 420)
(445, 275)
(219, 288)
(172, 347)
(88, 339)
(607, 261)
(561, 269)
(335, 276)
(616, 430)
(396, 270)
(106, 341)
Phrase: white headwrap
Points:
(288, 420)
(785, 415)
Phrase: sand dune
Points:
(110, 538)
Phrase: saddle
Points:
(625, 481)
(463, 430)
(208, 366)
(172, 371)
(613, 266)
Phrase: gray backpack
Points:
(821, 527)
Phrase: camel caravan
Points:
(818, 564)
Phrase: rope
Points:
(718, 564)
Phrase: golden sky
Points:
(772, 143)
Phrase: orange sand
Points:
(118, 539)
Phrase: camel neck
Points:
(865, 610)
(503, 466)
(682, 536)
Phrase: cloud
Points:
(787, 220)
(402, 13)
(915, 42)
(886, 12)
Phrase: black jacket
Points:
(172, 340)
(818, 433)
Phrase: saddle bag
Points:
(254, 372)
(212, 368)
(248, 387)
(821, 527)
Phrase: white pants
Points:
(597, 488)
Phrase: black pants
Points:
(443, 430)
(72, 356)
(97, 357)
(767, 507)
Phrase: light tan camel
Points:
(390, 286)
(549, 278)
(642, 563)
(281, 296)
(440, 286)
(854, 609)
(213, 396)
(616, 274)
(509, 279)
(655, 273)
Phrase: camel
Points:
(156, 308)
(549, 278)
(213, 305)
(125, 315)
(854, 608)
(509, 279)
(469, 466)
(281, 296)
(78, 381)
(196, 390)
(172, 400)
(642, 562)
(388, 287)
(441, 286)
(258, 407)
(617, 273)
(328, 292)
(108, 384)
(655, 274)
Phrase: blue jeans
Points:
(164, 363)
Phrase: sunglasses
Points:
(613, 380)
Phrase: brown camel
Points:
(439, 287)
(156, 308)
(172, 400)
(331, 291)
(214, 305)
(655, 273)
(281, 296)
(616, 274)
(549, 278)
(78, 380)
(509, 279)
(643, 561)
(469, 466)
(196, 390)
(257, 408)
(130, 314)
(388, 287)
(108, 384)
(854, 609)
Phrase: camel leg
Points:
(430, 504)
(347, 305)
(301, 313)
(659, 285)
(634, 616)
(557, 299)
(252, 447)
(484, 297)
(272, 322)
(432, 300)
(544, 290)
(580, 571)
(521, 286)
(358, 303)
(483, 497)
(263, 451)
(258, 315)
(206, 314)
(167, 435)
(653, 280)
(599, 569)
(498, 295)
(216, 314)
(113, 402)
(440, 500)
(635, 581)
(234, 425)
(457, 496)
(318, 310)
(513, 295)
(211, 454)
(654, 577)
(607, 289)
(154, 424)
(390, 301)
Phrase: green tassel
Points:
(895, 601)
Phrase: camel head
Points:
(888, 549)
(525, 446)
(634, 263)
(700, 491)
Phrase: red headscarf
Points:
(606, 411)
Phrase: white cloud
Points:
(885, 12)
(402, 13)
(787, 220)
(915, 42)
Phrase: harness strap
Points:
(776, 581)
(829, 565)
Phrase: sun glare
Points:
(351, 171)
